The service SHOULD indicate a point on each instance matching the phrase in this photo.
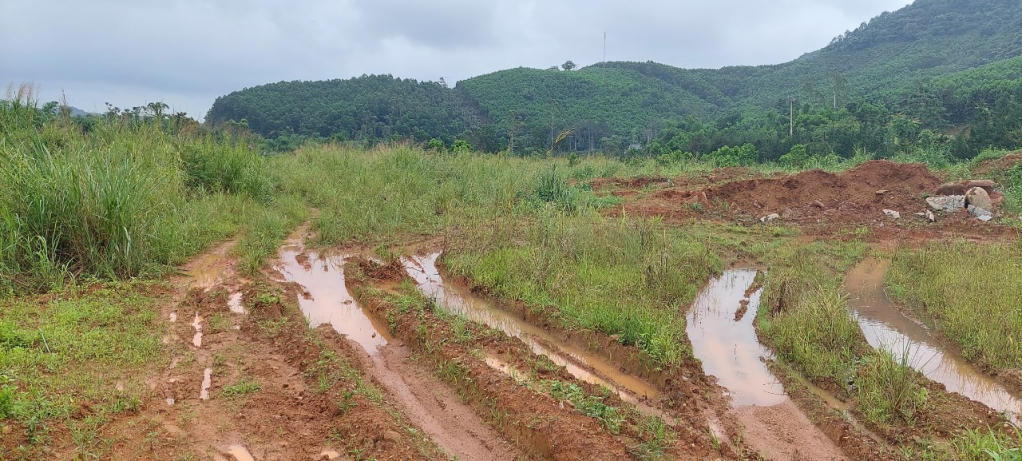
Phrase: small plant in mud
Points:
(657, 436)
(593, 406)
(242, 388)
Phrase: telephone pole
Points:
(791, 116)
(604, 47)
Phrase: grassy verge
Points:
(72, 361)
(970, 292)
(619, 277)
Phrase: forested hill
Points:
(896, 65)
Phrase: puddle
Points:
(234, 304)
(327, 300)
(170, 401)
(329, 454)
(197, 324)
(240, 453)
(208, 269)
(576, 360)
(728, 348)
(173, 317)
(885, 326)
(207, 381)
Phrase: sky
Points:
(186, 53)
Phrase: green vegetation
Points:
(806, 318)
(125, 198)
(972, 294)
(938, 80)
(627, 278)
(44, 344)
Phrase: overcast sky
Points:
(185, 53)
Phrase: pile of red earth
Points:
(858, 195)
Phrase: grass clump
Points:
(806, 317)
(972, 294)
(113, 201)
(888, 388)
(619, 277)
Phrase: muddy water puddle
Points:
(885, 326)
(326, 299)
(728, 347)
(207, 382)
(240, 453)
(576, 360)
(197, 324)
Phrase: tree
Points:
(568, 65)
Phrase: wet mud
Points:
(729, 349)
(885, 326)
(580, 363)
(325, 300)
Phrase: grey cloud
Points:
(188, 52)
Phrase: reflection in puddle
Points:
(207, 381)
(462, 302)
(327, 300)
(728, 348)
(234, 304)
(885, 326)
(197, 324)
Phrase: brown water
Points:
(234, 304)
(327, 300)
(207, 382)
(240, 453)
(728, 348)
(576, 360)
(197, 324)
(885, 326)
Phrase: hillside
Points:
(890, 62)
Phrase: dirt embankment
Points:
(819, 202)
(541, 426)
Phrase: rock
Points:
(892, 214)
(391, 436)
(984, 184)
(979, 198)
(770, 218)
(615, 338)
(882, 191)
(980, 214)
(952, 188)
(947, 203)
(818, 204)
(930, 216)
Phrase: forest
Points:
(938, 78)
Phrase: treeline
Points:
(918, 78)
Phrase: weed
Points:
(242, 388)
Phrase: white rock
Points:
(892, 214)
(770, 218)
(980, 214)
(947, 203)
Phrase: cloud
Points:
(187, 52)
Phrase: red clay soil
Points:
(822, 203)
(993, 167)
(562, 433)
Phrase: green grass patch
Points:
(619, 277)
(971, 292)
(65, 354)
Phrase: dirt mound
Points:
(857, 195)
(998, 165)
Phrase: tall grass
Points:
(806, 318)
(377, 194)
(114, 202)
(620, 277)
(971, 292)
